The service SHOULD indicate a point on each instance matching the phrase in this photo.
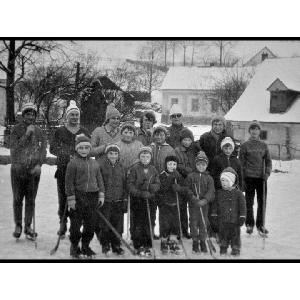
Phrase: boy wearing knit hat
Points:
(201, 192)
(62, 145)
(257, 167)
(114, 178)
(142, 183)
(85, 193)
(229, 212)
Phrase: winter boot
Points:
(118, 250)
(141, 251)
(262, 231)
(223, 251)
(106, 249)
(187, 235)
(18, 231)
(164, 246)
(249, 229)
(148, 252)
(30, 235)
(75, 251)
(87, 251)
(203, 247)
(235, 252)
(174, 248)
(196, 247)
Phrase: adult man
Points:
(62, 146)
(144, 133)
(28, 152)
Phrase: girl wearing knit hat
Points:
(62, 145)
(229, 212)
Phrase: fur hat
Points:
(254, 124)
(128, 125)
(201, 156)
(186, 133)
(229, 174)
(220, 119)
(72, 107)
(175, 109)
(160, 128)
(112, 147)
(171, 158)
(28, 106)
(227, 140)
(145, 149)
(81, 140)
(111, 112)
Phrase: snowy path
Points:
(282, 220)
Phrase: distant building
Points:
(259, 57)
(273, 98)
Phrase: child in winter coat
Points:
(85, 192)
(257, 167)
(143, 183)
(171, 189)
(114, 178)
(201, 193)
(229, 212)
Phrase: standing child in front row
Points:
(201, 192)
(85, 192)
(229, 212)
(143, 183)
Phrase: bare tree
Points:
(223, 48)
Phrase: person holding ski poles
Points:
(28, 153)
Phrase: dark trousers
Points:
(23, 185)
(62, 197)
(197, 226)
(168, 220)
(83, 215)
(229, 234)
(113, 212)
(141, 230)
(252, 185)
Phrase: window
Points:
(195, 104)
(174, 101)
(263, 135)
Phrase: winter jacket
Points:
(222, 161)
(27, 151)
(173, 138)
(166, 194)
(83, 174)
(160, 152)
(138, 181)
(114, 179)
(129, 153)
(145, 137)
(252, 155)
(186, 157)
(62, 145)
(204, 184)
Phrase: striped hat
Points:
(112, 147)
(82, 140)
(145, 149)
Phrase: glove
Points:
(214, 223)
(100, 199)
(202, 202)
(242, 221)
(71, 202)
(146, 195)
(36, 171)
(176, 187)
(195, 199)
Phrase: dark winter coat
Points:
(229, 205)
(145, 137)
(83, 175)
(252, 155)
(173, 137)
(114, 180)
(160, 152)
(222, 161)
(186, 157)
(27, 151)
(204, 184)
(62, 145)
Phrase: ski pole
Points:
(128, 220)
(264, 203)
(33, 214)
(59, 236)
(180, 227)
(132, 251)
(150, 227)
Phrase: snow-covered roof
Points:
(254, 103)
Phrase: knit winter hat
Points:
(254, 124)
(128, 125)
(72, 107)
(82, 140)
(186, 133)
(112, 147)
(159, 129)
(28, 106)
(201, 156)
(171, 158)
(231, 177)
(175, 109)
(145, 149)
(219, 119)
(227, 140)
(111, 112)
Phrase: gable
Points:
(277, 85)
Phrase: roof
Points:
(257, 56)
(254, 103)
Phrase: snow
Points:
(257, 97)
(282, 220)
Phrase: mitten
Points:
(36, 171)
(176, 187)
(242, 221)
(194, 199)
(100, 199)
(71, 202)
(202, 202)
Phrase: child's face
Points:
(127, 135)
(145, 158)
(227, 149)
(201, 166)
(112, 156)
(254, 132)
(84, 150)
(159, 137)
(225, 183)
(171, 166)
(186, 142)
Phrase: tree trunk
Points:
(76, 81)
(221, 53)
(165, 54)
(173, 54)
(184, 49)
(193, 51)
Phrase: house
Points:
(2, 102)
(273, 98)
(193, 88)
(259, 57)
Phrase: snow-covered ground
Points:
(282, 220)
